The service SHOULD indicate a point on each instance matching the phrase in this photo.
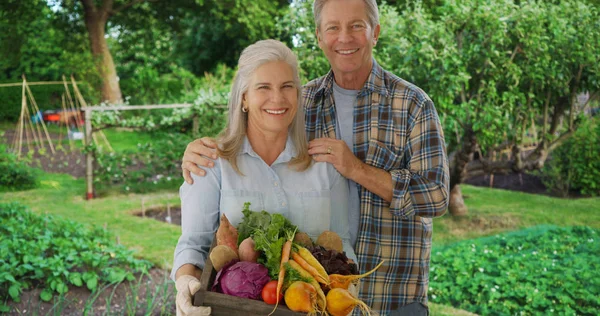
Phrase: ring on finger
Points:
(329, 150)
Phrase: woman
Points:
(263, 159)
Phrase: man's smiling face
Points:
(346, 37)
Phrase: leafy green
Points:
(536, 271)
(252, 221)
(292, 275)
(269, 232)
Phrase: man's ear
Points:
(376, 34)
(318, 38)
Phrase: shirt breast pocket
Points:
(316, 206)
(381, 156)
(232, 203)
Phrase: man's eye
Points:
(332, 28)
(288, 86)
(263, 87)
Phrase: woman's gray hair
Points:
(232, 137)
(372, 12)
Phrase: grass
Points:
(494, 210)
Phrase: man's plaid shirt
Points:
(397, 129)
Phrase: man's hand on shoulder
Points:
(200, 152)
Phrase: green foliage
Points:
(540, 270)
(14, 175)
(55, 253)
(575, 165)
(157, 162)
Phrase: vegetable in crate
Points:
(242, 279)
(330, 241)
(227, 234)
(247, 250)
(301, 297)
(269, 232)
(334, 262)
(222, 255)
(341, 303)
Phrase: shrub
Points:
(575, 165)
(53, 253)
(541, 270)
(14, 175)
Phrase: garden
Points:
(516, 85)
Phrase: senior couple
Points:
(364, 156)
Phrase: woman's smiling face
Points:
(271, 98)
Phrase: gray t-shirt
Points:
(345, 101)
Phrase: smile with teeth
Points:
(276, 111)
(347, 51)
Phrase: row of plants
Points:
(156, 163)
(540, 270)
(54, 254)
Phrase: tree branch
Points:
(573, 98)
(125, 6)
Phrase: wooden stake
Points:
(143, 208)
(37, 109)
(492, 180)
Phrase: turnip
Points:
(301, 297)
(341, 303)
(247, 250)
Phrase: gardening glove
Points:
(187, 286)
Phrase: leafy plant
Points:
(14, 175)
(540, 270)
(575, 165)
(54, 254)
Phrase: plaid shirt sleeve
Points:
(422, 187)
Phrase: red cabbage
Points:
(242, 279)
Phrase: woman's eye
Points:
(288, 86)
(263, 87)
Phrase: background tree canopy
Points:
(504, 75)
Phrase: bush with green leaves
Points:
(543, 270)
(14, 175)
(575, 165)
(54, 253)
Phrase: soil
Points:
(153, 294)
(522, 182)
(171, 215)
(69, 160)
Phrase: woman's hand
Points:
(200, 152)
(187, 286)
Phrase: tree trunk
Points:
(458, 172)
(95, 22)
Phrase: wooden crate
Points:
(227, 305)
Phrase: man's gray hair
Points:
(372, 12)
(231, 138)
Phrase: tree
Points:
(503, 75)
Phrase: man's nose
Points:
(345, 35)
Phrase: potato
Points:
(303, 239)
(247, 250)
(222, 255)
(330, 241)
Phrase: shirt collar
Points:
(374, 83)
(289, 152)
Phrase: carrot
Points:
(285, 257)
(310, 259)
(310, 269)
(322, 302)
(343, 281)
(341, 303)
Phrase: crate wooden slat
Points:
(225, 305)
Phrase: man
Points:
(383, 134)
